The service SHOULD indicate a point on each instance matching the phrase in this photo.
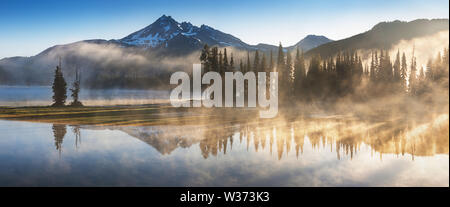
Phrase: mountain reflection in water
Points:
(344, 136)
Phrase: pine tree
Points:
(225, 60)
(439, 68)
(388, 67)
(248, 66)
(359, 72)
(205, 58)
(221, 66)
(270, 69)
(396, 67)
(373, 68)
(377, 67)
(445, 57)
(280, 61)
(288, 69)
(231, 62)
(299, 71)
(412, 76)
(76, 90)
(59, 88)
(213, 59)
(241, 66)
(430, 70)
(421, 75)
(256, 61)
(263, 65)
(403, 73)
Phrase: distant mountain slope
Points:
(310, 42)
(307, 43)
(383, 35)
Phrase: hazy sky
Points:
(28, 27)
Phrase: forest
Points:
(342, 76)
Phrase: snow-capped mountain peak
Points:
(168, 33)
(164, 29)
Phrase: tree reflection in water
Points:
(344, 136)
(60, 130)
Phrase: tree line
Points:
(344, 74)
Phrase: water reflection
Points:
(303, 152)
(76, 131)
(344, 136)
(59, 131)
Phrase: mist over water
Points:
(316, 151)
(42, 96)
(339, 127)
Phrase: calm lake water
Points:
(40, 96)
(306, 152)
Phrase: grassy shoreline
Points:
(121, 115)
(165, 114)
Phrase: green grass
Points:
(141, 115)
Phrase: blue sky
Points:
(28, 27)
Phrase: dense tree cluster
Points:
(339, 76)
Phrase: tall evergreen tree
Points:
(271, 62)
(241, 66)
(373, 68)
(413, 76)
(377, 67)
(225, 60)
(76, 89)
(280, 61)
(288, 70)
(403, 73)
(205, 58)
(396, 67)
(256, 61)
(421, 74)
(59, 88)
(231, 62)
(221, 66)
(213, 59)
(249, 67)
(299, 71)
(430, 70)
(263, 65)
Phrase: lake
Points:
(42, 95)
(306, 152)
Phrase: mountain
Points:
(307, 43)
(147, 58)
(310, 42)
(143, 59)
(165, 32)
(173, 36)
(383, 36)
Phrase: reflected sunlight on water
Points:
(303, 152)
